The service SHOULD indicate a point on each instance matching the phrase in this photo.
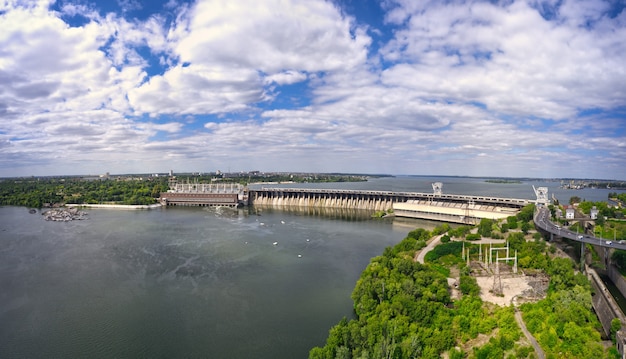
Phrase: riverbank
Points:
(115, 206)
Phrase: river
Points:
(194, 282)
(179, 282)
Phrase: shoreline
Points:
(116, 206)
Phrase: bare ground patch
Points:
(502, 289)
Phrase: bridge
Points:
(542, 221)
(603, 303)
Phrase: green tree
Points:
(616, 325)
(526, 213)
(574, 199)
(511, 222)
(485, 227)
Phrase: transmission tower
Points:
(497, 281)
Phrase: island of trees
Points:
(406, 309)
(503, 181)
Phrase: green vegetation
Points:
(246, 178)
(616, 325)
(36, 193)
(447, 253)
(618, 196)
(403, 309)
(485, 227)
(604, 210)
(382, 214)
(564, 323)
(526, 213)
(503, 181)
(612, 229)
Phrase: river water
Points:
(194, 282)
(179, 282)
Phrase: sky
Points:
(505, 88)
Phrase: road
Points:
(419, 257)
(542, 220)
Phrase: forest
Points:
(403, 309)
(42, 192)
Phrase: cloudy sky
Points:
(481, 88)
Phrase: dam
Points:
(436, 206)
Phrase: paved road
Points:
(421, 254)
(542, 220)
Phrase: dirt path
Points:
(530, 337)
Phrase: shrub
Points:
(473, 237)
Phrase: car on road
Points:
(609, 242)
(580, 238)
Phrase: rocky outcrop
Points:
(64, 215)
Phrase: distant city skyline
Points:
(531, 89)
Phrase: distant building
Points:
(558, 213)
(594, 213)
(569, 212)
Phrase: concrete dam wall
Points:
(440, 207)
(347, 200)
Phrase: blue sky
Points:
(479, 88)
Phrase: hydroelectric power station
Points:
(436, 206)
(203, 194)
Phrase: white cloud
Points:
(63, 99)
(272, 36)
(197, 89)
(463, 87)
(509, 58)
(228, 51)
(286, 77)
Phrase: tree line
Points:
(41, 192)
